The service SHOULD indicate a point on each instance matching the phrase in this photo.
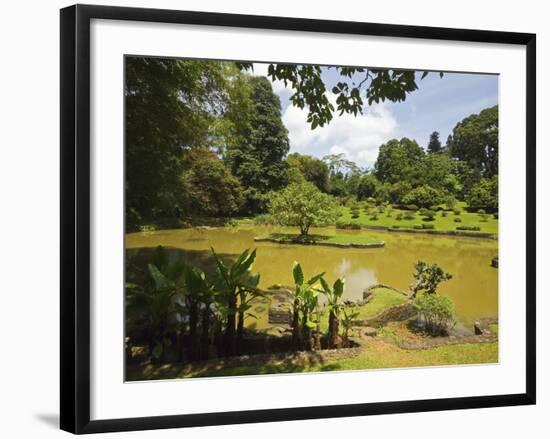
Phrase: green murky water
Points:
(474, 287)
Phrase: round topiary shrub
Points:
(436, 313)
(456, 211)
(412, 207)
(457, 220)
(443, 213)
(409, 216)
(399, 216)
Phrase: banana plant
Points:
(334, 306)
(154, 304)
(236, 286)
(349, 314)
(305, 302)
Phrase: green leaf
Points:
(315, 278)
(339, 287)
(158, 278)
(297, 273)
(311, 325)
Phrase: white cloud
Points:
(357, 137)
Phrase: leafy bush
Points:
(435, 312)
(409, 216)
(428, 226)
(443, 213)
(457, 220)
(424, 196)
(374, 217)
(495, 215)
(412, 207)
(484, 195)
(457, 211)
(352, 225)
(355, 214)
(399, 216)
(472, 228)
(481, 211)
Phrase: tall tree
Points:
(475, 141)
(257, 160)
(434, 145)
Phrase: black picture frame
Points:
(75, 217)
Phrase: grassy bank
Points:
(378, 354)
(442, 221)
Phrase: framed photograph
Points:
(268, 219)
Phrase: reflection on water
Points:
(474, 287)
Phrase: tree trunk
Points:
(306, 334)
(230, 345)
(333, 328)
(240, 329)
(317, 344)
(296, 333)
(205, 336)
(193, 333)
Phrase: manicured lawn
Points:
(378, 354)
(332, 239)
(388, 219)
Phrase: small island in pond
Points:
(281, 218)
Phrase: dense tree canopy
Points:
(311, 169)
(169, 107)
(209, 189)
(475, 141)
(399, 160)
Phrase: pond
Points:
(473, 288)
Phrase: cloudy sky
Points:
(437, 105)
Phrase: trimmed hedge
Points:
(470, 228)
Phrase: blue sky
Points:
(437, 105)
